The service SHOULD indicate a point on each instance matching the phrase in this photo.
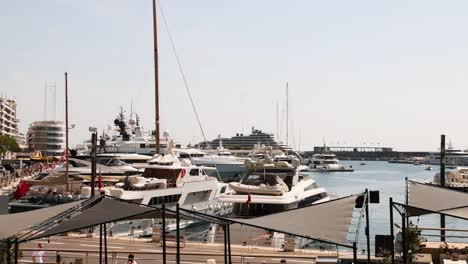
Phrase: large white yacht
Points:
(326, 162)
(269, 187)
(227, 166)
(108, 167)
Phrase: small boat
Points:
(428, 168)
(363, 163)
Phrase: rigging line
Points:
(182, 71)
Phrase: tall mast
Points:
(156, 77)
(277, 130)
(66, 128)
(287, 115)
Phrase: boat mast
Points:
(287, 116)
(66, 129)
(156, 77)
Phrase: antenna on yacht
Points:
(66, 129)
(156, 77)
(287, 116)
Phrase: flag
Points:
(249, 199)
(21, 190)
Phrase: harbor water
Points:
(389, 179)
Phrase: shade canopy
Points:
(328, 221)
(12, 224)
(105, 211)
(427, 198)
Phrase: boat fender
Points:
(182, 173)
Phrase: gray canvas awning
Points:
(427, 199)
(105, 211)
(328, 221)
(12, 224)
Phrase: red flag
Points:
(41, 167)
(22, 189)
(100, 182)
(249, 199)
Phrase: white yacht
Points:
(227, 166)
(269, 187)
(260, 152)
(326, 162)
(456, 179)
(170, 180)
(107, 167)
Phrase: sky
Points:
(386, 73)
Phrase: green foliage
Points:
(413, 241)
(8, 144)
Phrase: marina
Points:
(241, 177)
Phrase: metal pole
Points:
(225, 244)
(93, 163)
(403, 234)
(229, 243)
(178, 234)
(367, 226)
(392, 250)
(442, 182)
(164, 231)
(8, 251)
(406, 199)
(16, 250)
(354, 253)
(66, 129)
(100, 244)
(105, 244)
(156, 76)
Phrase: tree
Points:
(8, 144)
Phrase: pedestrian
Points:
(38, 255)
(131, 259)
(102, 145)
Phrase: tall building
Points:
(47, 137)
(8, 120)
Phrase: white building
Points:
(8, 120)
(47, 137)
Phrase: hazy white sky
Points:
(393, 72)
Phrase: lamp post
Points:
(93, 131)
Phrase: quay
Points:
(85, 249)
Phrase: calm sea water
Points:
(389, 179)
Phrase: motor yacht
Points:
(326, 162)
(107, 167)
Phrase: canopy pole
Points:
(367, 226)
(442, 182)
(229, 243)
(105, 243)
(354, 252)
(392, 250)
(16, 250)
(225, 244)
(8, 251)
(403, 233)
(164, 231)
(100, 244)
(178, 234)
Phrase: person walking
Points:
(38, 255)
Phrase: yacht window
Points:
(194, 172)
(142, 145)
(164, 199)
(184, 156)
(223, 189)
(311, 187)
(197, 197)
(312, 199)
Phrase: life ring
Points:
(182, 173)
